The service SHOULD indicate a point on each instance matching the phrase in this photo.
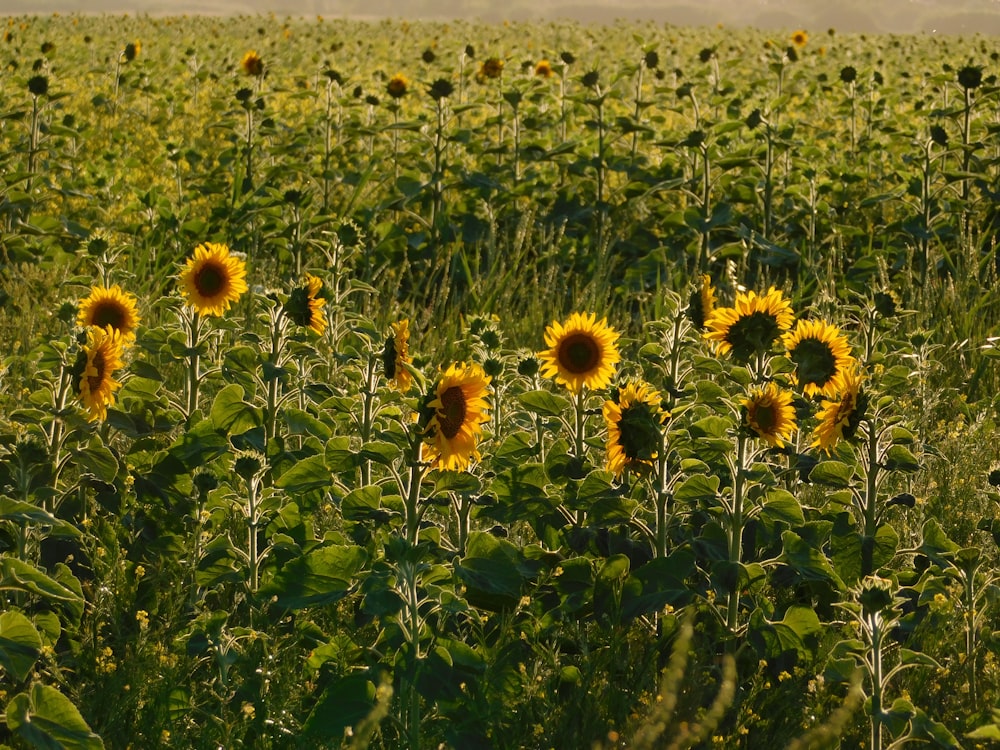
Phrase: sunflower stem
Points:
(194, 333)
(368, 416)
(871, 493)
(412, 501)
(736, 534)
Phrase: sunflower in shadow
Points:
(769, 414)
(110, 306)
(702, 302)
(452, 415)
(396, 355)
(93, 371)
(213, 279)
(751, 326)
(634, 418)
(821, 355)
(582, 352)
(304, 306)
(840, 417)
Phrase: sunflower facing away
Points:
(582, 352)
(110, 306)
(770, 414)
(840, 417)
(751, 325)
(634, 418)
(821, 355)
(702, 302)
(455, 413)
(213, 279)
(396, 355)
(397, 86)
(252, 64)
(305, 305)
(93, 371)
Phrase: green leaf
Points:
(935, 543)
(362, 503)
(98, 460)
(658, 583)
(380, 452)
(782, 506)
(22, 576)
(323, 576)
(46, 719)
(26, 514)
(832, 474)
(711, 427)
(343, 704)
(490, 572)
(231, 414)
(339, 456)
(697, 488)
(307, 475)
(808, 561)
(461, 482)
(850, 550)
(20, 644)
(300, 422)
(199, 445)
(899, 458)
(544, 403)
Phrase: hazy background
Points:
(900, 16)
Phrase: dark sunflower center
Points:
(210, 280)
(109, 314)
(579, 353)
(389, 357)
(94, 381)
(766, 416)
(451, 414)
(814, 361)
(752, 334)
(640, 432)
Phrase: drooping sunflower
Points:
(453, 414)
(702, 302)
(93, 372)
(110, 306)
(213, 279)
(252, 64)
(840, 417)
(305, 305)
(582, 352)
(543, 69)
(769, 413)
(490, 68)
(397, 86)
(131, 51)
(751, 326)
(821, 355)
(396, 355)
(634, 417)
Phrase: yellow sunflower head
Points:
(491, 67)
(800, 38)
(396, 355)
(110, 306)
(213, 279)
(252, 64)
(452, 416)
(702, 302)
(840, 417)
(821, 355)
(543, 69)
(769, 414)
(582, 352)
(634, 417)
(397, 86)
(751, 326)
(305, 305)
(93, 371)
(131, 51)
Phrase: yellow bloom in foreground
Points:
(396, 355)
(213, 279)
(456, 411)
(769, 413)
(252, 64)
(839, 418)
(634, 419)
(93, 371)
(751, 325)
(110, 306)
(821, 355)
(582, 352)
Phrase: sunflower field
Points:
(421, 385)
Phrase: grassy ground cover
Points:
(538, 385)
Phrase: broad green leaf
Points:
(362, 503)
(47, 719)
(343, 704)
(899, 458)
(20, 644)
(199, 445)
(98, 460)
(380, 452)
(656, 584)
(832, 474)
(300, 422)
(697, 488)
(851, 551)
(490, 572)
(323, 576)
(26, 514)
(808, 561)
(22, 576)
(339, 456)
(544, 403)
(231, 414)
(782, 505)
(308, 474)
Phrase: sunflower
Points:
(770, 414)
(702, 302)
(305, 305)
(821, 355)
(543, 69)
(397, 86)
(252, 64)
(800, 38)
(633, 417)
(839, 418)
(93, 370)
(453, 415)
(582, 352)
(491, 67)
(110, 306)
(396, 355)
(751, 325)
(213, 279)
(131, 51)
